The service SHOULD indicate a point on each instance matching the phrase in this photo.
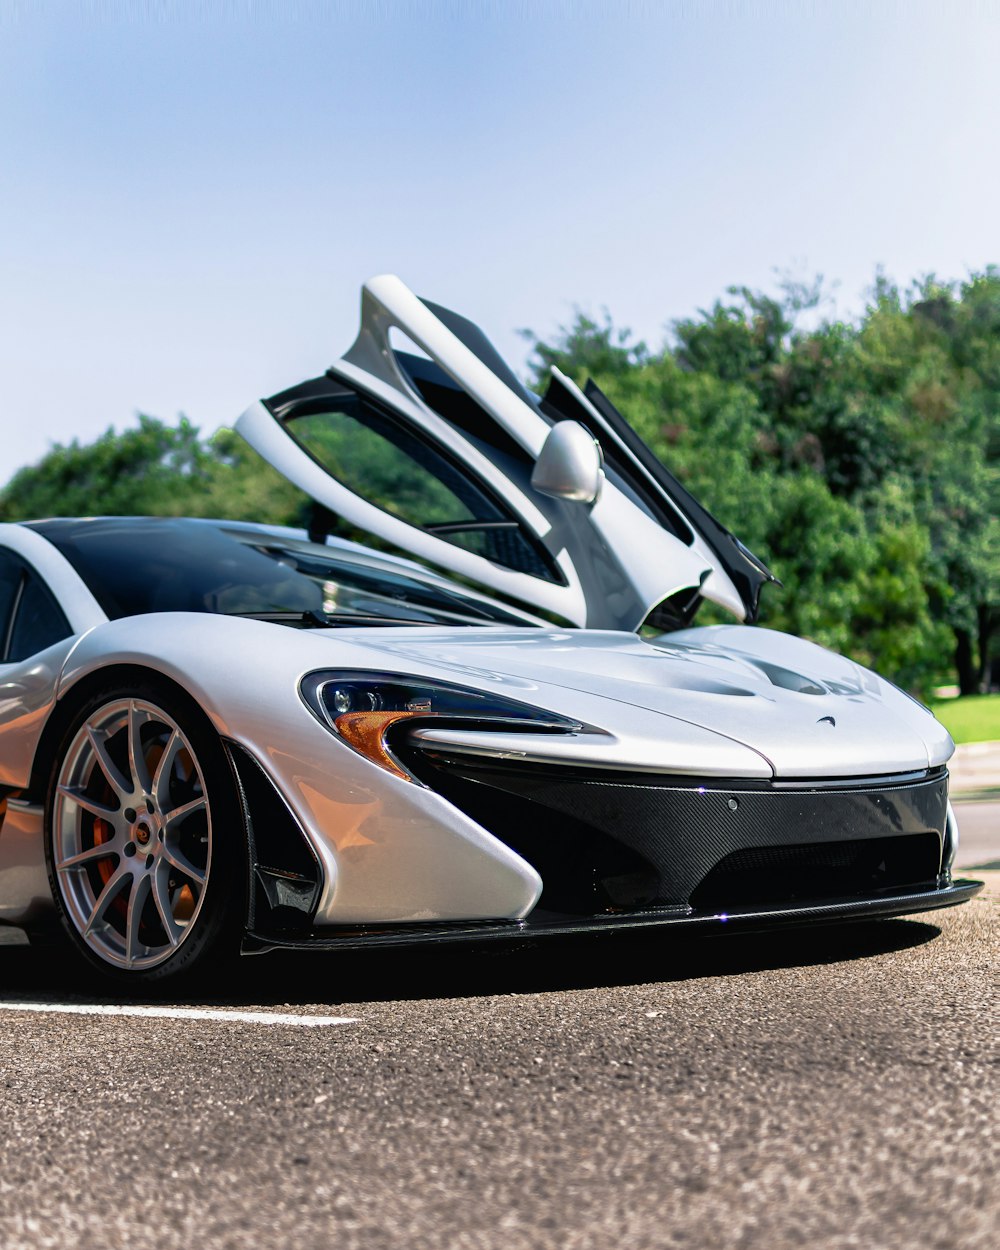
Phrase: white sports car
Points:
(217, 736)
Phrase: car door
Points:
(30, 622)
(443, 453)
(44, 607)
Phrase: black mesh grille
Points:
(818, 871)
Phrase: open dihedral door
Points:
(436, 454)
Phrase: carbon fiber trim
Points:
(676, 834)
(833, 912)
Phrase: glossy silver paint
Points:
(25, 896)
(390, 850)
(718, 702)
(696, 702)
(743, 701)
(570, 465)
(27, 696)
(617, 561)
(28, 687)
(717, 587)
(393, 850)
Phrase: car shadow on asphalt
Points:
(518, 966)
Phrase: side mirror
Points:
(570, 464)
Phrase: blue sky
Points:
(191, 194)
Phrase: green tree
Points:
(154, 469)
(138, 471)
(859, 459)
(586, 347)
(933, 355)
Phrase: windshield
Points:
(137, 565)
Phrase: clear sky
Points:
(192, 193)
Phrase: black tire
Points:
(144, 838)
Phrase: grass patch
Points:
(976, 718)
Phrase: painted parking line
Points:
(180, 1013)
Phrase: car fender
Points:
(391, 850)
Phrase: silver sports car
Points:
(218, 736)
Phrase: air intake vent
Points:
(815, 872)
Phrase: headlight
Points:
(363, 709)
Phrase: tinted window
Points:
(155, 564)
(151, 564)
(388, 464)
(30, 618)
(459, 409)
(11, 572)
(38, 620)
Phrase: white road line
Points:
(179, 1013)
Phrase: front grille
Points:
(605, 842)
(814, 872)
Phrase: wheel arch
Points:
(112, 686)
(289, 882)
(75, 697)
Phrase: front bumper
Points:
(833, 911)
(614, 843)
(623, 851)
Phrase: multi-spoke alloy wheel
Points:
(131, 834)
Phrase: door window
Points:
(397, 470)
(30, 618)
(11, 572)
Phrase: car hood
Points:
(806, 711)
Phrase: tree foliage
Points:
(860, 459)
(154, 470)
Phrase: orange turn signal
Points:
(365, 732)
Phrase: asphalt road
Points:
(979, 835)
(822, 1088)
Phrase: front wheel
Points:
(144, 839)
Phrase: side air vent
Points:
(285, 875)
